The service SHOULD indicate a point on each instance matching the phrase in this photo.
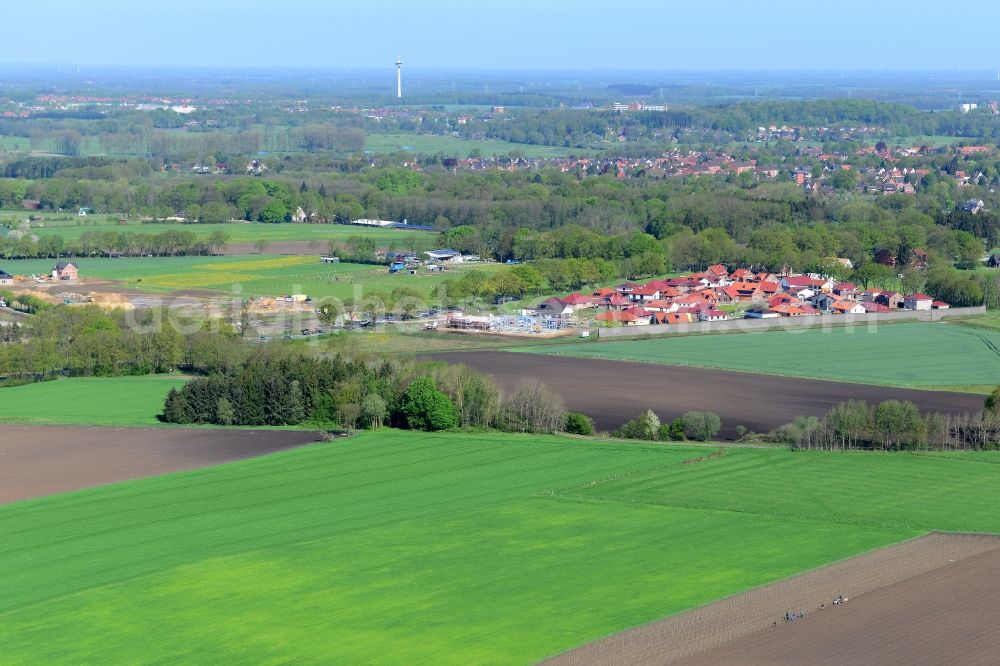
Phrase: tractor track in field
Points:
(927, 601)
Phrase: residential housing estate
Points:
(703, 296)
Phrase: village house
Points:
(847, 307)
(824, 301)
(6, 279)
(712, 314)
(717, 271)
(661, 305)
(556, 307)
(578, 301)
(615, 302)
(846, 290)
(623, 318)
(761, 313)
(918, 301)
(673, 318)
(65, 270)
(644, 293)
(890, 299)
(741, 291)
(874, 308)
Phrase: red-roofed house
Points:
(918, 302)
(718, 271)
(711, 313)
(623, 318)
(615, 302)
(769, 287)
(578, 301)
(556, 307)
(644, 293)
(660, 305)
(847, 307)
(939, 305)
(891, 299)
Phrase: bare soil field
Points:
(612, 392)
(41, 460)
(931, 600)
(946, 616)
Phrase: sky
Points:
(659, 35)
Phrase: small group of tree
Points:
(893, 425)
(88, 341)
(694, 425)
(284, 387)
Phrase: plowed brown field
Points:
(612, 392)
(932, 600)
(40, 460)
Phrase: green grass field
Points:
(253, 275)
(906, 354)
(449, 145)
(398, 547)
(119, 401)
(72, 227)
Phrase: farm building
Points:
(65, 270)
(6, 279)
(445, 256)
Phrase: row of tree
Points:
(893, 425)
(20, 244)
(694, 425)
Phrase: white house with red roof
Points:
(644, 293)
(556, 307)
(918, 301)
(847, 307)
(711, 313)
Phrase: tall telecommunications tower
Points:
(399, 77)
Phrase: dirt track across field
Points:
(931, 600)
(41, 460)
(612, 392)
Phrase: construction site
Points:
(508, 324)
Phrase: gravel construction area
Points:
(930, 600)
(41, 460)
(612, 392)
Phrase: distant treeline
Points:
(586, 128)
